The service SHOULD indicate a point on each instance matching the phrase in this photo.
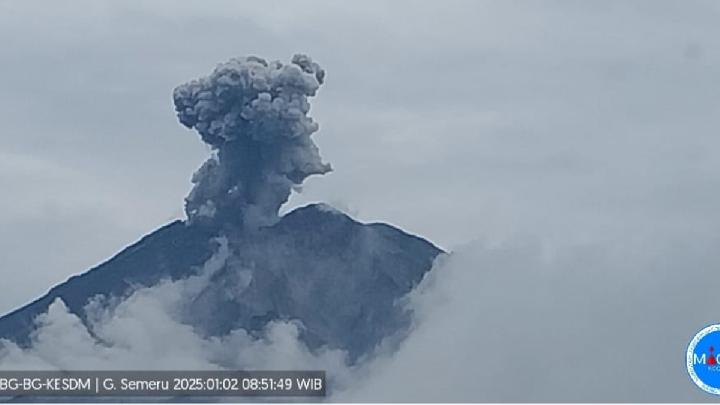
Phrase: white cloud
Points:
(531, 321)
(522, 320)
(145, 331)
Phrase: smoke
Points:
(254, 115)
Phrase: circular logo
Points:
(703, 359)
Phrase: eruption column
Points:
(254, 115)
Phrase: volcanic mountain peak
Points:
(338, 277)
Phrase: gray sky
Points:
(453, 120)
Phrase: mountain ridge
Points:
(312, 248)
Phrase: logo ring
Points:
(690, 359)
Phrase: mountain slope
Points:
(339, 277)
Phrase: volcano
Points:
(339, 279)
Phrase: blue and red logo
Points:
(703, 359)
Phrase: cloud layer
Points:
(145, 331)
(524, 320)
(532, 321)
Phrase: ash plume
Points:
(254, 115)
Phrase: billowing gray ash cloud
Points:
(254, 114)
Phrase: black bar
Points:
(236, 383)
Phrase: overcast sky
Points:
(453, 120)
